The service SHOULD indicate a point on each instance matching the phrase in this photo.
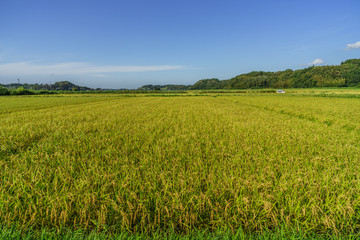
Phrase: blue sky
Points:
(129, 43)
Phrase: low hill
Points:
(59, 86)
(347, 74)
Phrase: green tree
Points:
(22, 91)
(4, 91)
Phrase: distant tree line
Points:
(169, 87)
(58, 86)
(34, 89)
(345, 75)
(24, 91)
(62, 87)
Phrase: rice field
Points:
(145, 164)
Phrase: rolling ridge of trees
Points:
(347, 74)
(58, 86)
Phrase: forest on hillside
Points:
(347, 74)
(58, 86)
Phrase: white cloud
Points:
(352, 45)
(75, 68)
(315, 62)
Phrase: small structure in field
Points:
(280, 91)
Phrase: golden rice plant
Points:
(145, 164)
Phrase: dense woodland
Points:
(347, 74)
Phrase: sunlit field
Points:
(209, 162)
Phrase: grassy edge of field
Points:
(14, 233)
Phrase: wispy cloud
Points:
(352, 45)
(315, 62)
(75, 68)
